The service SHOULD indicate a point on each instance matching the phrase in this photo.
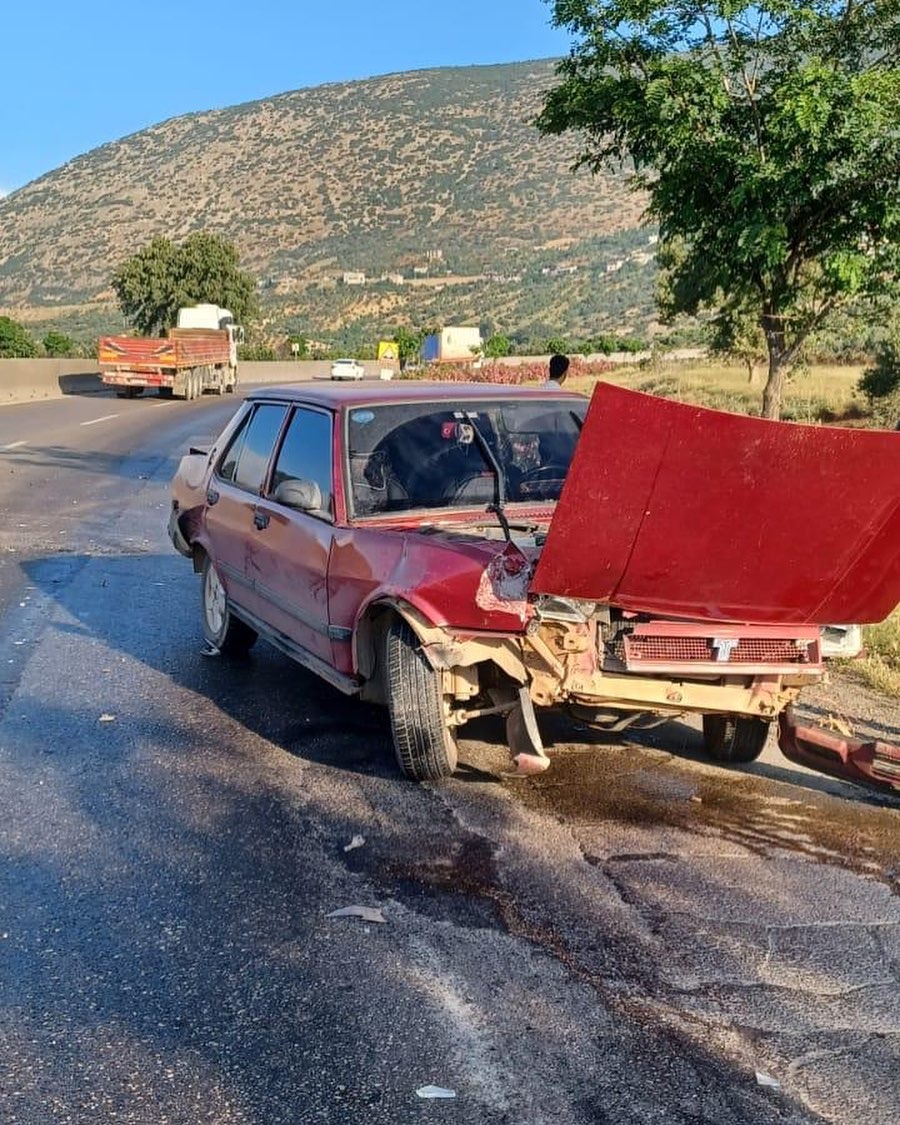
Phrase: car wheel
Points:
(220, 627)
(732, 740)
(423, 743)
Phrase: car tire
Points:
(734, 740)
(221, 628)
(425, 747)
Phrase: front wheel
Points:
(220, 627)
(734, 740)
(424, 745)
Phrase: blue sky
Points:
(75, 75)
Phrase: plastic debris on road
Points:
(356, 842)
(435, 1092)
(367, 913)
(767, 1080)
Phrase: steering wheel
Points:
(536, 482)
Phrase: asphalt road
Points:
(626, 939)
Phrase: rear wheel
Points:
(731, 739)
(220, 627)
(424, 745)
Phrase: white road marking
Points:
(165, 402)
(94, 421)
(14, 445)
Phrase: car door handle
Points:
(212, 497)
(261, 520)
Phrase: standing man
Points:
(557, 371)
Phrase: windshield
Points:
(424, 455)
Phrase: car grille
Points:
(651, 646)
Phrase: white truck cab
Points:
(215, 317)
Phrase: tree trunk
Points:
(773, 326)
(752, 373)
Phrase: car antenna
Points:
(499, 505)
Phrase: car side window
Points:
(305, 453)
(229, 459)
(246, 459)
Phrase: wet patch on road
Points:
(636, 786)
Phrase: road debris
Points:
(434, 1092)
(767, 1080)
(367, 913)
(356, 842)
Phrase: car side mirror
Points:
(304, 495)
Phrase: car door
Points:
(289, 548)
(233, 493)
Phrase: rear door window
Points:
(246, 460)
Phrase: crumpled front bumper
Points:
(872, 763)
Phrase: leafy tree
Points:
(765, 134)
(738, 335)
(496, 347)
(408, 345)
(164, 276)
(881, 383)
(58, 344)
(15, 341)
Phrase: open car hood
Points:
(678, 510)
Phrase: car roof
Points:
(368, 391)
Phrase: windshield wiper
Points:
(499, 505)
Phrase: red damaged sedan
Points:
(455, 550)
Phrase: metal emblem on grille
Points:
(724, 647)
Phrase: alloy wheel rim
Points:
(214, 602)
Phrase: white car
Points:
(347, 369)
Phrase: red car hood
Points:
(674, 509)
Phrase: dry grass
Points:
(880, 666)
(818, 393)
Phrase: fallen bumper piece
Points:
(872, 763)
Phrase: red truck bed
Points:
(184, 347)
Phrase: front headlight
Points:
(841, 642)
(565, 609)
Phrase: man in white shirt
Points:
(557, 372)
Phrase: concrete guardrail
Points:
(28, 380)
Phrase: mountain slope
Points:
(367, 175)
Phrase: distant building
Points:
(420, 271)
(353, 277)
(434, 255)
(615, 265)
(560, 270)
(395, 278)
